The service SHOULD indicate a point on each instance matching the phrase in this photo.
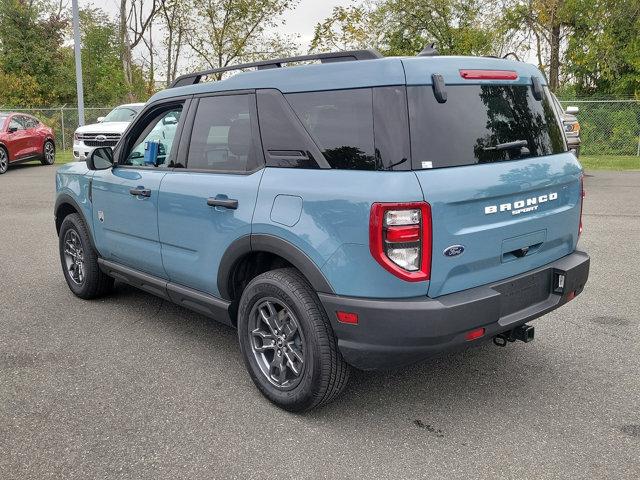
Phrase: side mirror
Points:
(12, 129)
(100, 159)
(169, 121)
(572, 110)
(100, 119)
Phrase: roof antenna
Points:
(429, 51)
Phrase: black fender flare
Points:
(66, 199)
(277, 246)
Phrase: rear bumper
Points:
(392, 333)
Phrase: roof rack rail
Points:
(194, 78)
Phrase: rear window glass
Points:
(480, 124)
(341, 124)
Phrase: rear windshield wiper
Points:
(516, 144)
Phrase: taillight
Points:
(489, 74)
(582, 195)
(400, 239)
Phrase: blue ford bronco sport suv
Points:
(358, 211)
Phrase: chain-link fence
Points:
(608, 127)
(63, 120)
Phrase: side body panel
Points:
(459, 197)
(325, 213)
(126, 226)
(17, 143)
(194, 236)
(72, 185)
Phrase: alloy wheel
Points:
(49, 153)
(277, 343)
(74, 256)
(4, 161)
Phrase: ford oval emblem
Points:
(453, 251)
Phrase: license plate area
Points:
(523, 292)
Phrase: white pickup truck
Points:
(105, 133)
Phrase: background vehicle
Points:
(275, 206)
(570, 124)
(105, 133)
(24, 138)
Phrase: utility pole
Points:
(76, 48)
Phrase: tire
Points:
(84, 277)
(4, 160)
(323, 373)
(48, 153)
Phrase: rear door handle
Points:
(229, 203)
(140, 192)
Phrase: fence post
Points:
(64, 147)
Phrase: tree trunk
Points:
(554, 57)
(554, 45)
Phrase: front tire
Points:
(80, 261)
(48, 153)
(287, 342)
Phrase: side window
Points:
(154, 146)
(286, 142)
(222, 135)
(391, 127)
(30, 122)
(341, 123)
(17, 123)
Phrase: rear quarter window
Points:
(475, 119)
(358, 129)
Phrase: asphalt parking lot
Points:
(133, 387)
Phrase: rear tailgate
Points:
(491, 159)
(509, 217)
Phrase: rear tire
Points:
(283, 327)
(48, 153)
(4, 160)
(80, 261)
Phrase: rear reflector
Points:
(488, 74)
(347, 317)
(474, 334)
(409, 233)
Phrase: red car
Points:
(24, 138)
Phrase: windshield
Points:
(122, 114)
(2, 119)
(481, 124)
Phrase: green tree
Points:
(603, 55)
(31, 52)
(405, 27)
(104, 79)
(348, 28)
(458, 27)
(226, 32)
